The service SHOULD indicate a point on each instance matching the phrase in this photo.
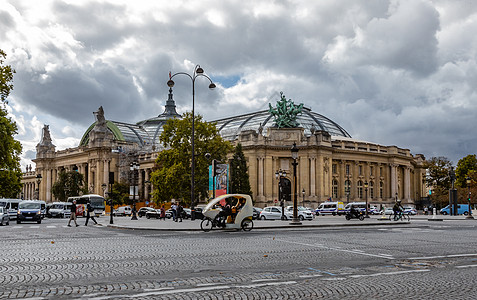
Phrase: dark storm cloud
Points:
(73, 94)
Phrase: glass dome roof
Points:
(231, 127)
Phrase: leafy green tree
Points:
(239, 178)
(69, 184)
(464, 168)
(10, 149)
(438, 180)
(172, 179)
(120, 194)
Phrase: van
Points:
(361, 206)
(123, 211)
(59, 210)
(29, 210)
(331, 208)
(462, 209)
(10, 207)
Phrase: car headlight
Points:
(19, 212)
(38, 212)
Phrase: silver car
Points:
(271, 213)
(4, 217)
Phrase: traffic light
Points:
(215, 169)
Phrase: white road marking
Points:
(389, 273)
(444, 256)
(360, 252)
(467, 266)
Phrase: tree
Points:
(120, 193)
(239, 178)
(438, 180)
(10, 149)
(69, 184)
(464, 168)
(172, 179)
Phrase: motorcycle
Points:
(355, 215)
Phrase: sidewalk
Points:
(189, 225)
(320, 221)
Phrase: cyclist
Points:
(397, 209)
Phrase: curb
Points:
(258, 228)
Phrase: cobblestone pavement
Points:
(415, 261)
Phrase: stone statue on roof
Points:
(286, 112)
(100, 120)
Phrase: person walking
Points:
(174, 211)
(73, 214)
(163, 213)
(90, 214)
(179, 212)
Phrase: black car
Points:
(143, 210)
(29, 211)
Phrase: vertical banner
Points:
(218, 181)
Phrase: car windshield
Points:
(3, 204)
(57, 206)
(29, 205)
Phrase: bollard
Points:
(434, 212)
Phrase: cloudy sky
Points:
(393, 72)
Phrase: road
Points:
(422, 260)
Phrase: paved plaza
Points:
(150, 260)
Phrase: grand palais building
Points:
(331, 164)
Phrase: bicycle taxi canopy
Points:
(243, 213)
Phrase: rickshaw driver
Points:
(223, 214)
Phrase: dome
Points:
(231, 127)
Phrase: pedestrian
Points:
(174, 211)
(73, 214)
(179, 212)
(163, 213)
(90, 214)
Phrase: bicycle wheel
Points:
(206, 225)
(247, 224)
(406, 217)
(391, 217)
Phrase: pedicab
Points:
(240, 217)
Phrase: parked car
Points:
(373, 210)
(10, 207)
(256, 213)
(361, 206)
(143, 210)
(154, 213)
(388, 211)
(29, 210)
(303, 213)
(59, 210)
(123, 211)
(409, 210)
(4, 217)
(271, 213)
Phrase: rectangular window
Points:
(360, 170)
(371, 171)
(381, 171)
(334, 169)
(347, 169)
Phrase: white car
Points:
(303, 213)
(271, 213)
(388, 211)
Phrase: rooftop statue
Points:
(286, 112)
(100, 120)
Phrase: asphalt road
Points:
(422, 260)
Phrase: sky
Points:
(398, 72)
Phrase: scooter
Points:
(355, 215)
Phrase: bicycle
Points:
(207, 224)
(400, 216)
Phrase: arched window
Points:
(360, 189)
(381, 187)
(335, 189)
(371, 189)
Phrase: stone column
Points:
(105, 176)
(260, 177)
(393, 180)
(312, 176)
(48, 186)
(407, 183)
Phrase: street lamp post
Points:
(348, 188)
(366, 197)
(198, 71)
(38, 180)
(295, 220)
(303, 193)
(279, 175)
(134, 167)
(469, 214)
